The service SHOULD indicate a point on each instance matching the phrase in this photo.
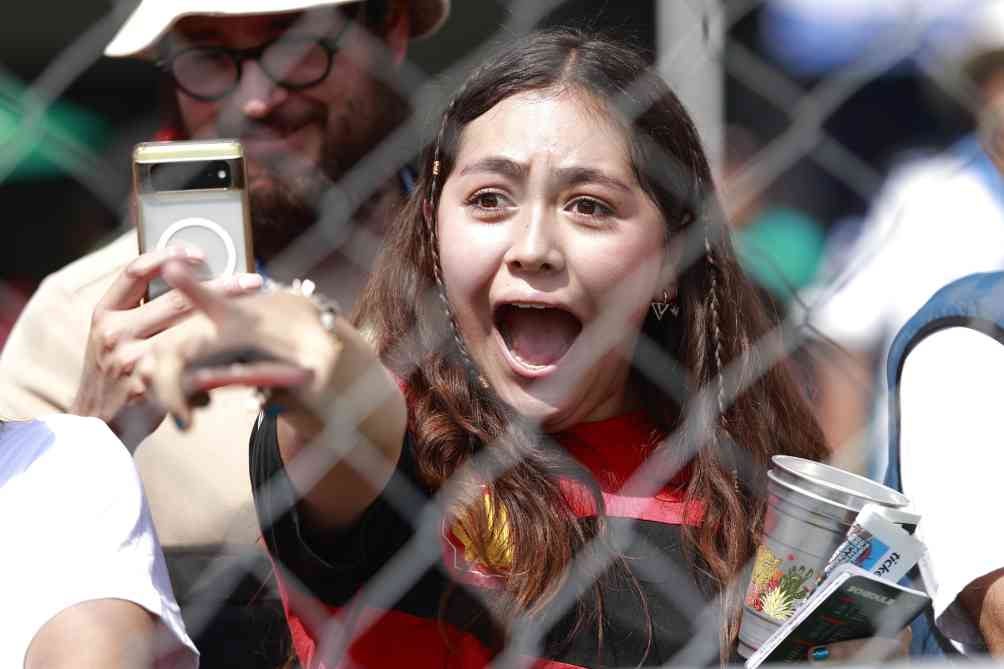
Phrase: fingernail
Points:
(249, 281)
(819, 653)
(179, 422)
(274, 410)
(178, 251)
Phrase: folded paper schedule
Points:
(852, 603)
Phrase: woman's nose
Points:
(535, 245)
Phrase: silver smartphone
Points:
(193, 193)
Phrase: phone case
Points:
(193, 192)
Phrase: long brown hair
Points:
(720, 320)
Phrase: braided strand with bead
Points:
(437, 271)
(716, 333)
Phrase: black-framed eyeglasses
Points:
(292, 61)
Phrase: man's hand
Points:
(122, 330)
(983, 600)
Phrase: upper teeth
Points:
(525, 305)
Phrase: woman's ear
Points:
(668, 274)
(667, 293)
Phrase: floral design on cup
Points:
(777, 586)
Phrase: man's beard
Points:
(285, 205)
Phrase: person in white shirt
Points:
(951, 462)
(935, 220)
(82, 574)
(944, 372)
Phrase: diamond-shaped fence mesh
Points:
(837, 366)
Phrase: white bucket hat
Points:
(153, 18)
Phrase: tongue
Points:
(540, 336)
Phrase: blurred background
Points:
(807, 106)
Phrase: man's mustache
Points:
(276, 124)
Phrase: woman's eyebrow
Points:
(573, 176)
(496, 165)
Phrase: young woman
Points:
(550, 442)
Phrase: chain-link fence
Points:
(754, 166)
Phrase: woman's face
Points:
(551, 253)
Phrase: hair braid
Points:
(716, 334)
(451, 318)
(716, 330)
(437, 270)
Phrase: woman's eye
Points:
(488, 201)
(590, 207)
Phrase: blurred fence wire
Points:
(805, 138)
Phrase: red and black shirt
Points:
(397, 602)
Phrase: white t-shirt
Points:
(935, 221)
(952, 456)
(76, 527)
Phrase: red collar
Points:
(612, 449)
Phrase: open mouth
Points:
(536, 336)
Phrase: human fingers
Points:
(104, 387)
(180, 276)
(130, 286)
(139, 416)
(265, 374)
(117, 351)
(121, 363)
(157, 315)
(872, 649)
(161, 370)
